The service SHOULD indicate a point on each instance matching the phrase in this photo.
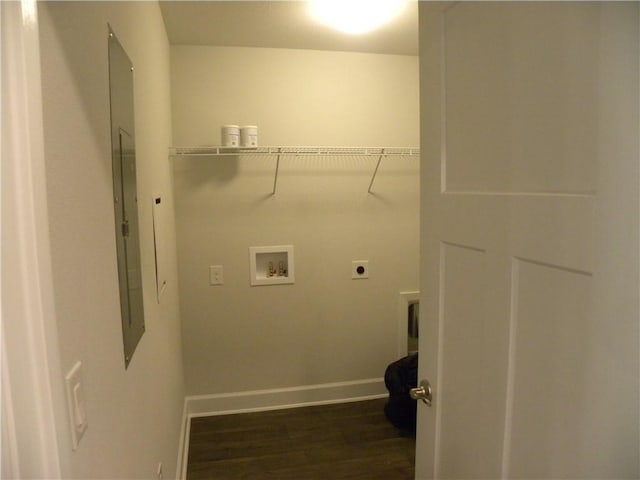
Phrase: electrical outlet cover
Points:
(216, 275)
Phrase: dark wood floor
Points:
(329, 442)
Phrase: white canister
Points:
(230, 136)
(249, 136)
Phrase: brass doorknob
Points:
(423, 392)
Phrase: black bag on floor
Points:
(399, 378)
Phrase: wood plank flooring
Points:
(329, 442)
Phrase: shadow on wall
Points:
(203, 171)
(295, 175)
(91, 83)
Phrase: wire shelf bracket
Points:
(375, 172)
(279, 152)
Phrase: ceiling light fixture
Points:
(355, 17)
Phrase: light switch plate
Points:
(76, 404)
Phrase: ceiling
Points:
(279, 24)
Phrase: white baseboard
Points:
(278, 398)
(183, 444)
(272, 399)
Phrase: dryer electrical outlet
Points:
(359, 269)
(76, 403)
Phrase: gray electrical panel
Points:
(125, 197)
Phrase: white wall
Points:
(326, 327)
(297, 97)
(134, 415)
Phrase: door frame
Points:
(31, 386)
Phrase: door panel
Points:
(520, 97)
(551, 329)
(530, 251)
(465, 446)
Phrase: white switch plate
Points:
(76, 404)
(216, 276)
(359, 269)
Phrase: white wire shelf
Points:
(278, 152)
(316, 151)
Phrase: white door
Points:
(530, 253)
